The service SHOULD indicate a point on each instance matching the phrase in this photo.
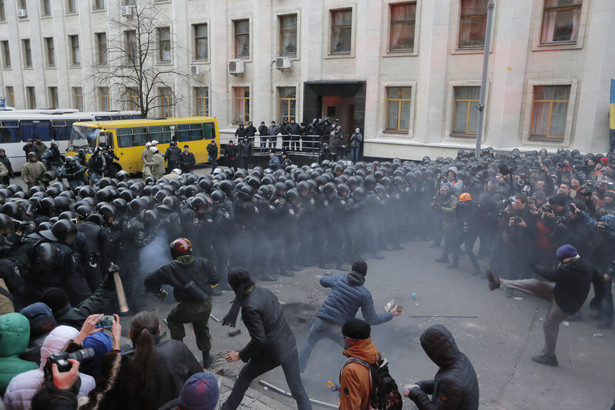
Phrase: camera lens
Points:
(82, 355)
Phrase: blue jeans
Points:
(259, 365)
(320, 329)
(354, 154)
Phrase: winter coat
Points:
(356, 139)
(212, 151)
(39, 148)
(270, 335)
(355, 381)
(348, 295)
(455, 385)
(274, 162)
(182, 270)
(245, 149)
(21, 390)
(32, 172)
(15, 335)
(6, 304)
(156, 165)
(75, 316)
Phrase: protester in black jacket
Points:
(230, 153)
(455, 385)
(271, 343)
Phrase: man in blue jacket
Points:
(347, 295)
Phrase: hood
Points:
(364, 350)
(56, 341)
(14, 334)
(609, 220)
(439, 345)
(454, 169)
(355, 278)
(41, 319)
(184, 260)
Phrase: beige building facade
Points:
(407, 73)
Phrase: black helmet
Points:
(245, 193)
(32, 155)
(122, 175)
(63, 230)
(84, 210)
(6, 222)
(107, 212)
(292, 195)
(14, 188)
(329, 188)
(70, 161)
(44, 257)
(96, 218)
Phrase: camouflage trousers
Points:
(198, 315)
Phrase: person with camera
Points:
(193, 280)
(571, 282)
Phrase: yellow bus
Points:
(128, 137)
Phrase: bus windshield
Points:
(83, 137)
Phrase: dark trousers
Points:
(214, 164)
(260, 365)
(244, 162)
(198, 315)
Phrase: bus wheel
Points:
(114, 168)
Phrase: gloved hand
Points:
(409, 387)
(109, 282)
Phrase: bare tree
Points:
(139, 43)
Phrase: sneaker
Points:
(546, 360)
(494, 281)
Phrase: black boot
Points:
(207, 360)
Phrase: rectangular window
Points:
(101, 48)
(75, 53)
(341, 31)
(465, 115)
(2, 13)
(31, 98)
(27, 53)
(45, 8)
(131, 47)
(242, 38)
(53, 97)
(287, 103)
(98, 5)
(560, 21)
(164, 44)
(241, 106)
(50, 50)
(166, 102)
(401, 38)
(10, 96)
(71, 6)
(129, 2)
(21, 5)
(103, 98)
(6, 54)
(288, 35)
(132, 99)
(549, 111)
(201, 44)
(201, 94)
(473, 23)
(78, 98)
(398, 108)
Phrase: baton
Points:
(119, 288)
(214, 318)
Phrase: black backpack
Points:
(384, 393)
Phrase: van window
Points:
(35, 129)
(209, 130)
(9, 131)
(131, 137)
(160, 133)
(189, 132)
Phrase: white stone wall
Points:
(517, 63)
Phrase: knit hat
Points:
(101, 343)
(356, 329)
(558, 199)
(360, 267)
(40, 317)
(610, 193)
(200, 392)
(565, 252)
(55, 298)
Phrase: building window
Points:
(242, 38)
(201, 94)
(101, 48)
(164, 44)
(10, 96)
(549, 111)
(132, 99)
(45, 8)
(473, 23)
(341, 31)
(465, 116)
(288, 35)
(2, 13)
(98, 5)
(131, 47)
(103, 95)
(21, 5)
(129, 2)
(71, 6)
(403, 17)
(53, 97)
(6, 54)
(241, 111)
(560, 21)
(287, 103)
(78, 98)
(75, 54)
(50, 50)
(27, 53)
(200, 42)
(398, 108)
(166, 102)
(31, 98)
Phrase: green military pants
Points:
(198, 315)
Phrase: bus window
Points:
(9, 131)
(83, 137)
(189, 132)
(209, 130)
(131, 137)
(105, 139)
(35, 129)
(160, 133)
(103, 118)
(62, 129)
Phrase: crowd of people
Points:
(60, 241)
